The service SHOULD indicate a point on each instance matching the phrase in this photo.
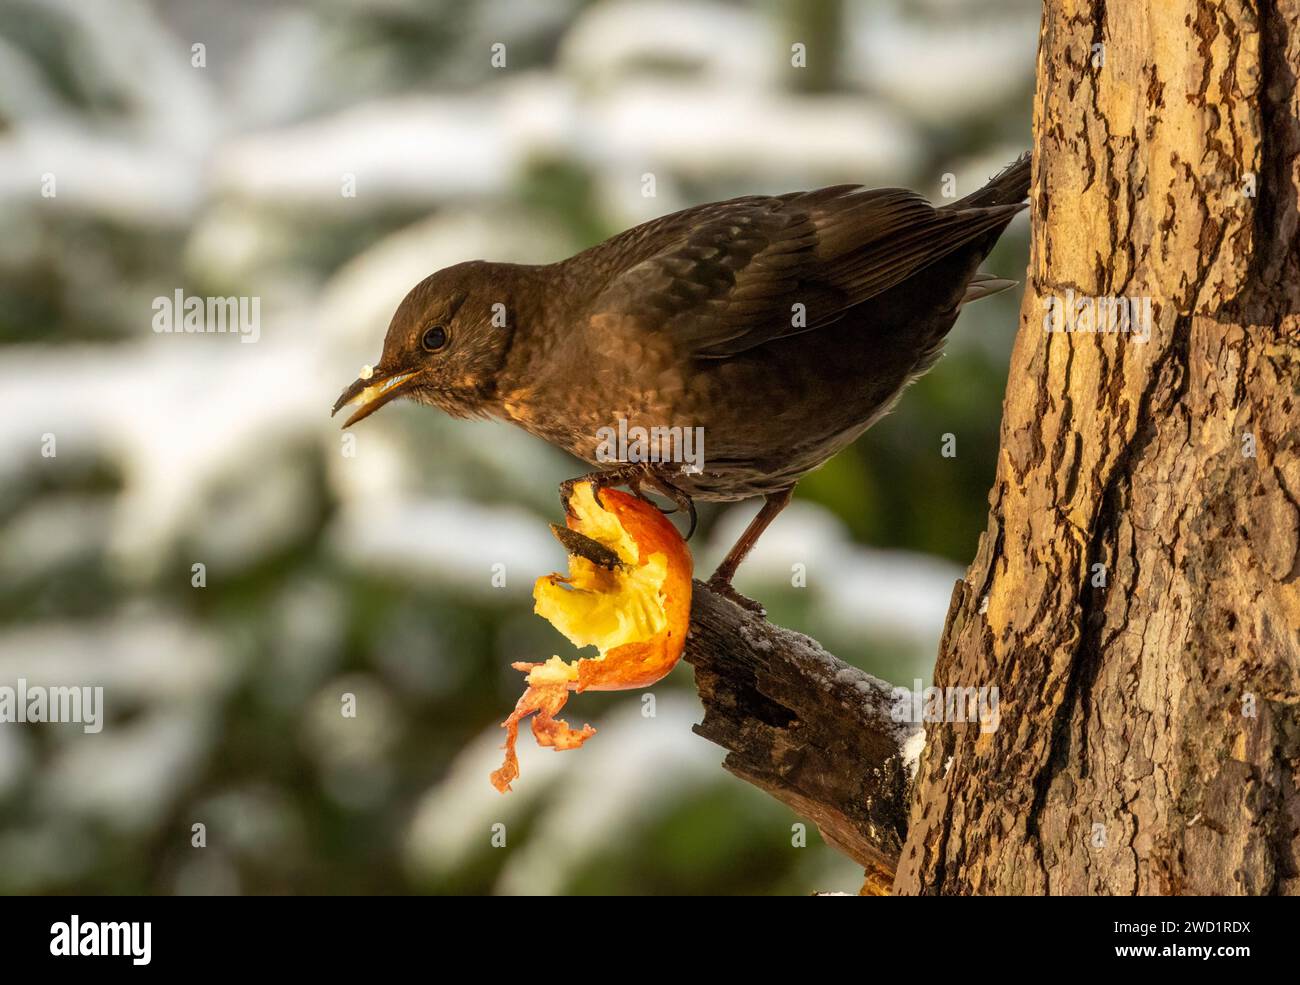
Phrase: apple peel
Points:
(627, 593)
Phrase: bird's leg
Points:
(773, 503)
(631, 475)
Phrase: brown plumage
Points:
(783, 326)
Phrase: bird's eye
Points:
(435, 338)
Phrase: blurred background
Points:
(324, 157)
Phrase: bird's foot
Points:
(631, 475)
(722, 586)
(683, 501)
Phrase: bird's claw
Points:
(682, 501)
(720, 586)
(632, 476)
(603, 479)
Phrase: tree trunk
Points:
(1136, 597)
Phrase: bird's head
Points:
(445, 345)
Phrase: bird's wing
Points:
(724, 278)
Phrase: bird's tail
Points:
(983, 286)
(1007, 187)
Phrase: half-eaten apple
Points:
(627, 593)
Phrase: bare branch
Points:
(806, 728)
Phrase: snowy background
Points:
(371, 574)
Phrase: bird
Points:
(777, 328)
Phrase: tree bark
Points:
(1136, 596)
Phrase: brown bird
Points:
(782, 326)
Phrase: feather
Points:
(721, 279)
